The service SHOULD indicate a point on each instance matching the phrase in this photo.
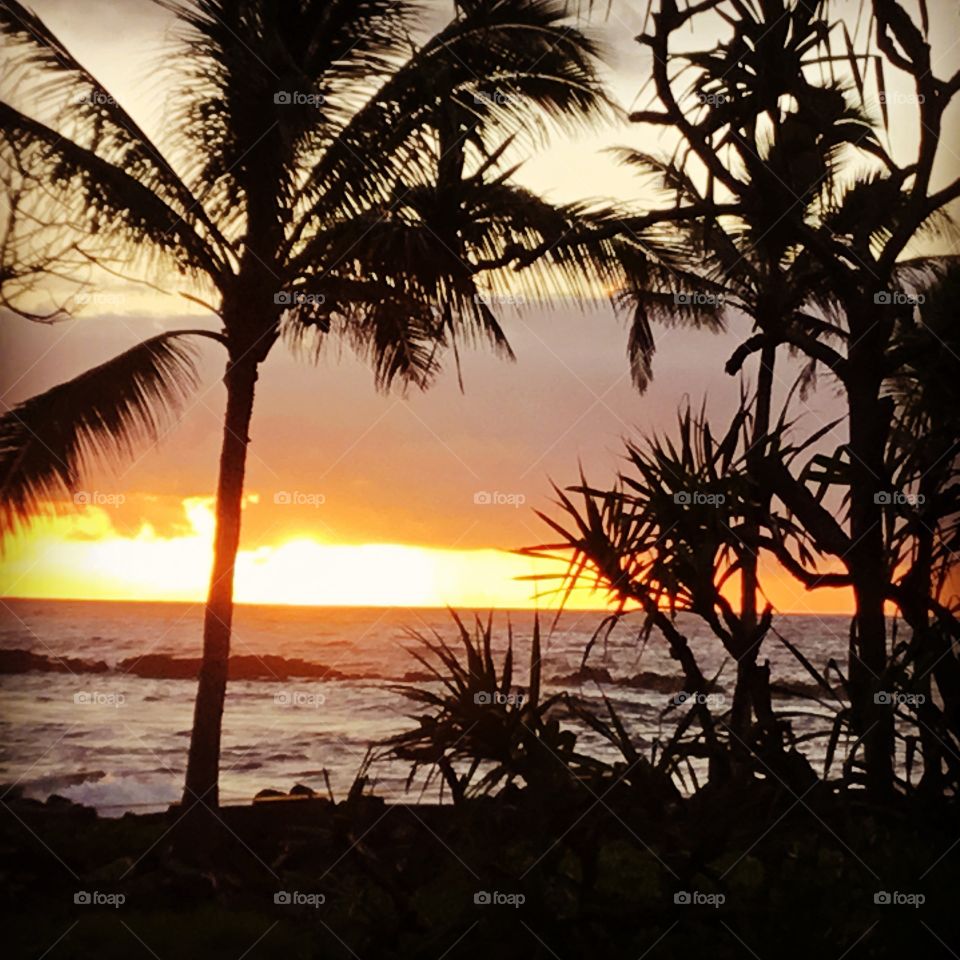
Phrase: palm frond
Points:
(90, 125)
(496, 71)
(263, 87)
(103, 197)
(50, 440)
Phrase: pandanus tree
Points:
(668, 537)
(665, 539)
(758, 143)
(812, 217)
(324, 176)
(922, 529)
(865, 242)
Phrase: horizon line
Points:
(382, 606)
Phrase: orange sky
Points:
(79, 554)
(357, 498)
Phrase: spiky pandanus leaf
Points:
(666, 536)
(477, 719)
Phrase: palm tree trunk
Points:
(203, 764)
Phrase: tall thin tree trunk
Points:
(917, 590)
(203, 764)
(746, 682)
(869, 422)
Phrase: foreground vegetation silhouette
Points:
(324, 177)
(569, 834)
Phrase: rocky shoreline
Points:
(270, 667)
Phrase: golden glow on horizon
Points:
(82, 556)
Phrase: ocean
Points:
(118, 741)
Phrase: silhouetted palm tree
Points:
(324, 175)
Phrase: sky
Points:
(355, 497)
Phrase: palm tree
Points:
(325, 176)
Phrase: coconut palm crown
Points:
(324, 175)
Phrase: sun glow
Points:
(81, 555)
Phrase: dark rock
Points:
(162, 666)
(584, 675)
(648, 680)
(269, 794)
(25, 661)
(299, 790)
